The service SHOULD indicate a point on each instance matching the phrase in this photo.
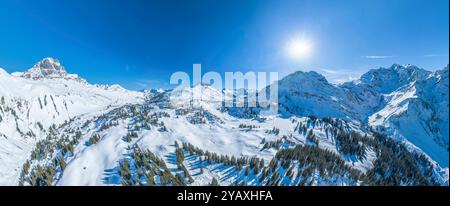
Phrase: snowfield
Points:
(28, 104)
(57, 129)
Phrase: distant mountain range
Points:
(405, 102)
(390, 127)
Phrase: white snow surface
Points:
(31, 102)
(409, 104)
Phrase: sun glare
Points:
(299, 48)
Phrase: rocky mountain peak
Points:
(386, 80)
(49, 68)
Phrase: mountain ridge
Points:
(30, 106)
(371, 97)
(301, 94)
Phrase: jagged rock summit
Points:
(48, 68)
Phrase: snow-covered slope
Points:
(418, 112)
(45, 95)
(119, 148)
(309, 93)
(404, 102)
(387, 80)
(389, 127)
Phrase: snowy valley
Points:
(390, 127)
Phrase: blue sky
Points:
(139, 44)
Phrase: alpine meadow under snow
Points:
(390, 127)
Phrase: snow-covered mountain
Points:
(43, 96)
(309, 93)
(161, 142)
(404, 102)
(418, 112)
(387, 80)
(48, 68)
(57, 129)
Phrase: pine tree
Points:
(127, 138)
(150, 178)
(94, 139)
(125, 173)
(179, 180)
(214, 182)
(62, 163)
(70, 148)
(26, 167)
(261, 163)
(179, 155)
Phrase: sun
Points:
(299, 48)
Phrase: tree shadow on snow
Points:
(111, 176)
